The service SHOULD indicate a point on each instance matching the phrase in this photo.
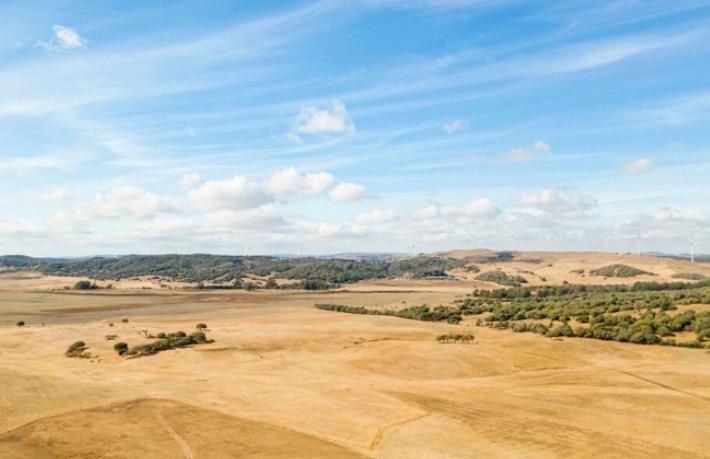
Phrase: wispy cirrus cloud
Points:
(537, 151)
(637, 166)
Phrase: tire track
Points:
(379, 435)
(183, 444)
(665, 386)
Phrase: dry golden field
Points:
(283, 379)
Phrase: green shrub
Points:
(198, 337)
(77, 350)
(85, 285)
(120, 347)
(271, 283)
(20, 323)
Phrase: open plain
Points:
(284, 379)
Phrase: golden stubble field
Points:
(283, 379)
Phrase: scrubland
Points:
(283, 378)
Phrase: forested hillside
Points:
(205, 268)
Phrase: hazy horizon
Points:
(354, 126)
(355, 253)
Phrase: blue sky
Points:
(372, 125)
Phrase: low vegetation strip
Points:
(425, 313)
(690, 276)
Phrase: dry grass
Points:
(283, 379)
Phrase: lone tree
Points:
(201, 326)
(20, 323)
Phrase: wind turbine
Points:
(470, 240)
(606, 237)
(638, 244)
(512, 239)
(692, 248)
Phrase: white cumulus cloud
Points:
(345, 191)
(332, 119)
(56, 195)
(190, 180)
(128, 202)
(239, 193)
(291, 181)
(558, 203)
(375, 217)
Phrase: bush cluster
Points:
(85, 285)
(619, 270)
(163, 343)
(448, 338)
(501, 278)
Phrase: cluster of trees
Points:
(635, 314)
(575, 289)
(448, 338)
(270, 284)
(164, 342)
(650, 328)
(423, 312)
(619, 270)
(501, 278)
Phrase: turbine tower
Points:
(606, 237)
(638, 244)
(692, 249)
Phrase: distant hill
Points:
(222, 268)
